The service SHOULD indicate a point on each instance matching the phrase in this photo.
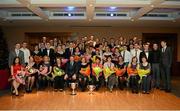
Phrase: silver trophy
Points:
(91, 88)
(73, 87)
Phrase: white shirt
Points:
(133, 53)
(17, 52)
(48, 50)
(147, 54)
(26, 54)
(127, 55)
(164, 49)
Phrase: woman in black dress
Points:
(121, 72)
(84, 74)
(32, 74)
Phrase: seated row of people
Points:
(84, 72)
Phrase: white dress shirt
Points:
(26, 54)
(133, 53)
(126, 55)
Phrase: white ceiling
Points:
(111, 13)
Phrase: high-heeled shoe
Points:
(17, 94)
(13, 92)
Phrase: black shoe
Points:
(27, 90)
(162, 89)
(136, 91)
(17, 94)
(30, 90)
(61, 90)
(168, 90)
(147, 92)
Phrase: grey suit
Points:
(12, 55)
(165, 63)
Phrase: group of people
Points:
(88, 61)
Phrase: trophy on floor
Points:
(91, 88)
(73, 87)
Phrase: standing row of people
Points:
(111, 64)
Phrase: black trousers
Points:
(83, 82)
(97, 82)
(42, 81)
(59, 82)
(122, 82)
(133, 81)
(166, 78)
(156, 74)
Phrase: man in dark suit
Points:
(146, 53)
(71, 70)
(49, 52)
(69, 51)
(165, 63)
(41, 49)
(16, 53)
(155, 63)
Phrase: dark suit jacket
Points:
(51, 55)
(149, 58)
(41, 51)
(71, 69)
(166, 57)
(12, 55)
(68, 53)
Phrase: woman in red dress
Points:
(17, 75)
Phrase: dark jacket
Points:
(71, 69)
(143, 54)
(166, 57)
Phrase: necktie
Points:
(71, 51)
(71, 63)
(17, 52)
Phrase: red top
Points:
(16, 68)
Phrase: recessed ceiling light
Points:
(112, 8)
(69, 14)
(111, 14)
(70, 8)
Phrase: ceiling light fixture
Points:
(112, 8)
(70, 8)
(111, 14)
(69, 14)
